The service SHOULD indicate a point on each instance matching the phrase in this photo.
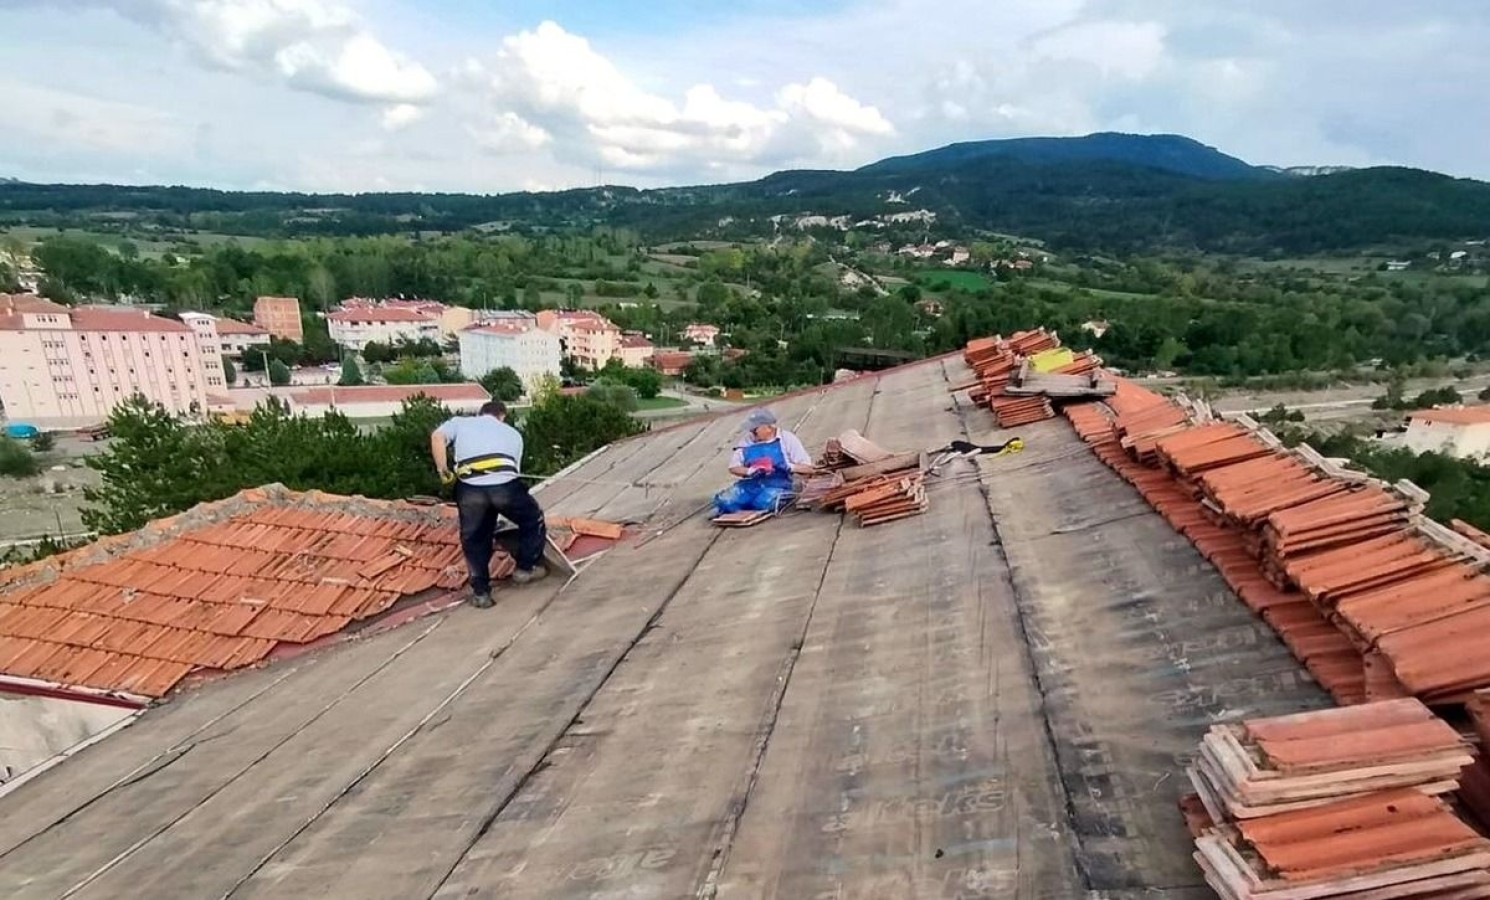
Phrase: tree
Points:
(351, 373)
(613, 393)
(279, 373)
(502, 383)
(229, 372)
(15, 459)
(561, 428)
(44, 442)
(155, 465)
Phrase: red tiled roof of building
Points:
(218, 588)
(123, 320)
(671, 359)
(381, 314)
(635, 340)
(389, 393)
(1458, 415)
(233, 326)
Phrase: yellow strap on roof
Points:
(1050, 360)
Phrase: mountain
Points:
(1121, 193)
(1165, 152)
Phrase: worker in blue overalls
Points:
(764, 461)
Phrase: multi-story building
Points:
(590, 339)
(356, 328)
(280, 316)
(635, 350)
(62, 367)
(529, 351)
(229, 336)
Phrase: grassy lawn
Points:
(661, 403)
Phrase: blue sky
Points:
(356, 95)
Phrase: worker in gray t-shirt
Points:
(488, 456)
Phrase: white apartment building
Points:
(356, 328)
(63, 367)
(229, 336)
(530, 352)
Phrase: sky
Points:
(500, 95)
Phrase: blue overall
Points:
(765, 492)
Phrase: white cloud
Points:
(401, 116)
(548, 85)
(509, 133)
(319, 46)
(1127, 49)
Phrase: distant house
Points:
(960, 255)
(1397, 265)
(671, 363)
(1462, 431)
(635, 350)
(701, 333)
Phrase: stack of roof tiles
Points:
(1266, 766)
(220, 588)
(1336, 803)
(997, 361)
(1341, 566)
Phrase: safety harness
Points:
(486, 464)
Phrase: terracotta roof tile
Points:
(224, 594)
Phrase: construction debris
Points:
(886, 489)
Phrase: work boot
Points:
(523, 576)
(482, 600)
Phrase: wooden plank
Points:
(896, 463)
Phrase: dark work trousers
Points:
(479, 507)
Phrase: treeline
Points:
(157, 464)
(1093, 204)
(484, 272)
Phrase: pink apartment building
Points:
(62, 367)
(590, 339)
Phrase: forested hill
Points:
(1104, 192)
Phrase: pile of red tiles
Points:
(1371, 607)
(1335, 803)
(995, 360)
(221, 596)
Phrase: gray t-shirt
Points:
(475, 436)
